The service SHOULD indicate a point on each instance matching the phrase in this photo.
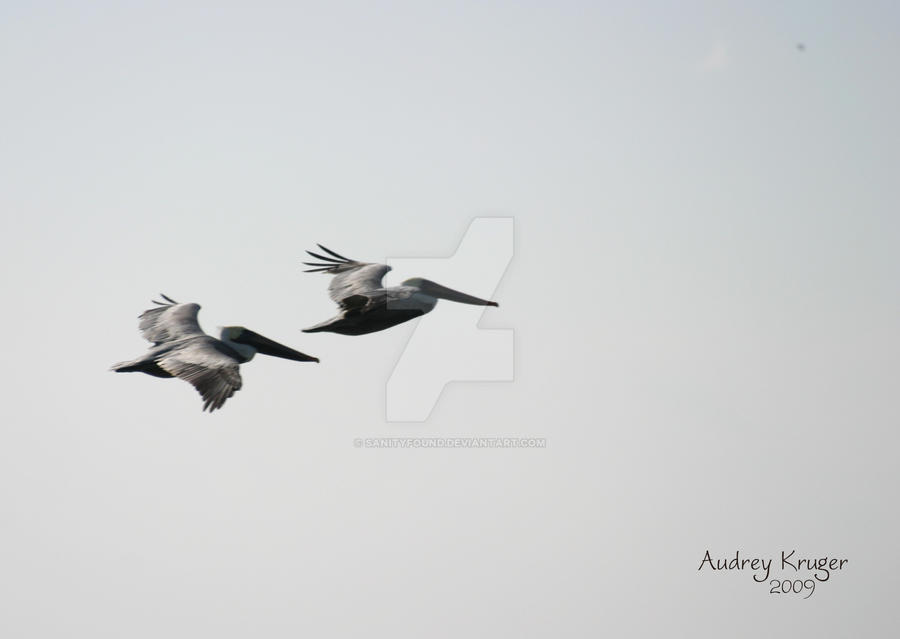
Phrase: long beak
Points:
(442, 292)
(268, 347)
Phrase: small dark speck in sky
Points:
(801, 46)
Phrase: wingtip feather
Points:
(337, 255)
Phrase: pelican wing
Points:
(352, 279)
(364, 280)
(210, 366)
(170, 321)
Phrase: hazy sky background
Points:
(704, 299)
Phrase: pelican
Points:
(366, 305)
(181, 349)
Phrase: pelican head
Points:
(249, 343)
(442, 292)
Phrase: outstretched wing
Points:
(351, 279)
(170, 321)
(208, 366)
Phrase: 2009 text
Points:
(797, 586)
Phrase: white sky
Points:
(704, 299)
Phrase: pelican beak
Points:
(442, 292)
(269, 347)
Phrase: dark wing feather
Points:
(354, 303)
(333, 254)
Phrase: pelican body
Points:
(181, 349)
(366, 305)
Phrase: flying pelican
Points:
(366, 305)
(181, 349)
